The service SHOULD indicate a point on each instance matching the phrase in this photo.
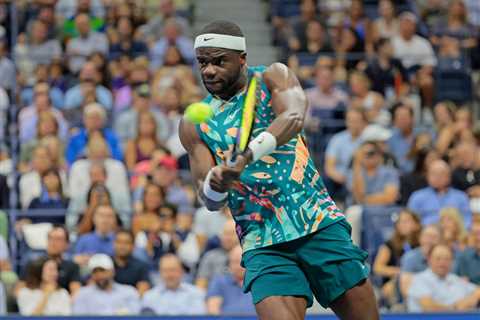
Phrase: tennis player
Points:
(296, 242)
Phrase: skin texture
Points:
(224, 74)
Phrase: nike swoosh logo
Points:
(207, 39)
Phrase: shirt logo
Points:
(207, 39)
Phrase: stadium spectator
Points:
(437, 289)
(145, 142)
(149, 213)
(125, 43)
(98, 195)
(386, 73)
(7, 68)
(460, 130)
(340, 150)
(225, 294)
(89, 90)
(370, 181)
(416, 260)
(452, 230)
(172, 35)
(364, 98)
(41, 75)
(164, 172)
(466, 175)
(215, 262)
(387, 261)
(296, 34)
(349, 49)
(154, 28)
(30, 184)
(32, 50)
(455, 26)
(358, 21)
(52, 196)
(444, 116)
(88, 41)
(209, 225)
(100, 240)
(94, 120)
(28, 117)
(405, 238)
(42, 294)
(417, 179)
(126, 124)
(468, 261)
(439, 194)
(101, 168)
(326, 100)
(47, 126)
(104, 296)
(68, 8)
(158, 237)
(387, 24)
(416, 55)
(173, 297)
(404, 134)
(128, 269)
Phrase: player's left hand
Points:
(231, 174)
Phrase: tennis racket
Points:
(246, 123)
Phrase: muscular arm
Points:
(288, 102)
(201, 161)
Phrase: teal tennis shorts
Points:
(325, 263)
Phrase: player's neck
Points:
(237, 87)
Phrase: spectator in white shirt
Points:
(416, 55)
(104, 296)
(88, 42)
(172, 296)
(30, 183)
(437, 289)
(42, 295)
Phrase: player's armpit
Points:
(288, 102)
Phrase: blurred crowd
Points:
(91, 95)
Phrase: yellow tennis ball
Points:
(198, 112)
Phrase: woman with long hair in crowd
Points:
(42, 295)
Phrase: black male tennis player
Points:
(296, 242)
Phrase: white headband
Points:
(215, 40)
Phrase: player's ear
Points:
(243, 58)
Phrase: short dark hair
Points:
(127, 232)
(222, 27)
(61, 227)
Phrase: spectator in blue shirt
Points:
(468, 261)
(103, 296)
(370, 183)
(88, 90)
(340, 150)
(172, 37)
(101, 239)
(173, 296)
(225, 294)
(403, 136)
(428, 202)
(415, 260)
(52, 192)
(94, 118)
(437, 289)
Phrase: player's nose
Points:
(209, 71)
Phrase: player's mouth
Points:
(212, 84)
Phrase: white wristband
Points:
(264, 144)
(209, 192)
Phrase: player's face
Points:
(220, 69)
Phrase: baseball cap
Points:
(100, 261)
(375, 132)
(143, 90)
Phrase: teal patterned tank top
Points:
(280, 197)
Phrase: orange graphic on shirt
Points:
(301, 160)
